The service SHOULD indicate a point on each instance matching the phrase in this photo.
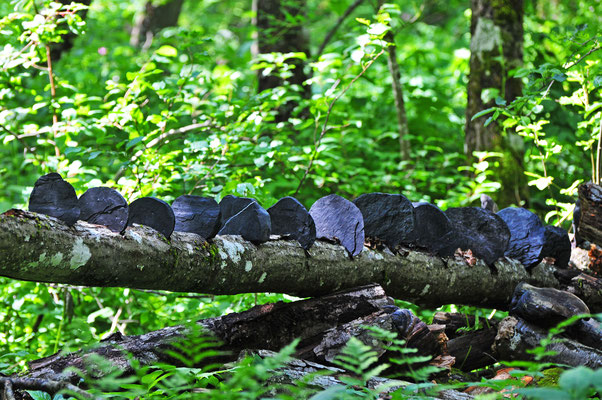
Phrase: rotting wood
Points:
(35, 247)
(516, 336)
(317, 322)
(297, 369)
(473, 349)
(590, 221)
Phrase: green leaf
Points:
(576, 381)
(378, 29)
(363, 21)
(541, 183)
(167, 51)
(598, 81)
(134, 142)
(39, 395)
(559, 77)
(481, 113)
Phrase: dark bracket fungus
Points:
(481, 231)
(104, 206)
(252, 223)
(200, 215)
(388, 218)
(556, 245)
(339, 219)
(232, 205)
(434, 231)
(289, 217)
(55, 197)
(526, 235)
(154, 213)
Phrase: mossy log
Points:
(35, 247)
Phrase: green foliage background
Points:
(183, 116)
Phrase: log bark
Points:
(35, 247)
(473, 350)
(516, 336)
(590, 221)
(297, 369)
(317, 321)
(454, 322)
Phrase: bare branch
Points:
(336, 27)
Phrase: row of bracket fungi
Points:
(389, 220)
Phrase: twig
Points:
(596, 177)
(45, 385)
(28, 45)
(197, 183)
(159, 139)
(19, 138)
(336, 27)
(52, 92)
(593, 49)
(325, 125)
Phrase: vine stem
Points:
(596, 176)
(55, 118)
(327, 118)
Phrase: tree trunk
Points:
(155, 16)
(39, 248)
(400, 110)
(495, 25)
(280, 29)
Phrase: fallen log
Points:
(297, 369)
(516, 337)
(39, 248)
(323, 324)
(457, 324)
(469, 340)
(473, 349)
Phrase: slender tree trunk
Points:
(280, 29)
(156, 16)
(495, 25)
(400, 110)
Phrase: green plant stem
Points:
(598, 154)
(52, 93)
(330, 107)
